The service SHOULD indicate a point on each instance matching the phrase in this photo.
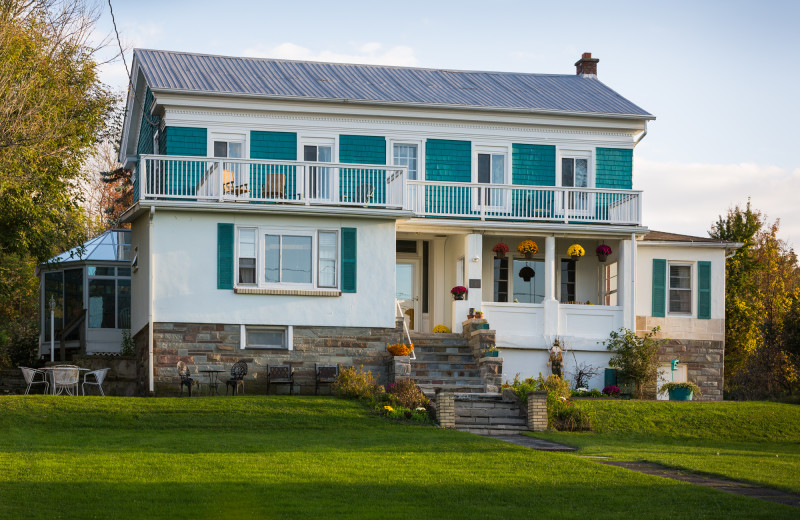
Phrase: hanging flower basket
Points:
(458, 292)
(528, 248)
(576, 251)
(500, 249)
(602, 252)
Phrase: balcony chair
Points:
(229, 186)
(30, 379)
(362, 193)
(99, 376)
(280, 375)
(238, 371)
(325, 375)
(186, 379)
(273, 187)
(66, 379)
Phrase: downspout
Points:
(150, 320)
(633, 281)
(641, 136)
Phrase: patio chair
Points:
(186, 379)
(280, 375)
(66, 379)
(230, 186)
(30, 378)
(273, 187)
(325, 375)
(99, 376)
(238, 371)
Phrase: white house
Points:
(285, 210)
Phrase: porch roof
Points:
(113, 245)
(345, 82)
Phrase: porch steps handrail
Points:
(405, 327)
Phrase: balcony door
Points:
(491, 169)
(575, 173)
(321, 179)
(235, 176)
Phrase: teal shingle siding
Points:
(614, 168)
(362, 149)
(449, 161)
(146, 133)
(182, 177)
(533, 165)
(180, 140)
(265, 179)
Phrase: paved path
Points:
(719, 483)
(533, 443)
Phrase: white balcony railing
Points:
(252, 180)
(513, 202)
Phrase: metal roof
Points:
(112, 246)
(272, 78)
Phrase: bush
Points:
(569, 418)
(441, 329)
(680, 386)
(354, 383)
(128, 344)
(612, 391)
(636, 357)
(399, 349)
(594, 392)
(556, 387)
(407, 394)
(401, 413)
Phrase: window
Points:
(610, 280)
(680, 289)
(528, 281)
(288, 257)
(567, 281)
(501, 279)
(320, 179)
(109, 297)
(235, 175)
(263, 337)
(575, 173)
(491, 169)
(461, 272)
(407, 154)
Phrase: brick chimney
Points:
(586, 66)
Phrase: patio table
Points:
(213, 380)
(52, 372)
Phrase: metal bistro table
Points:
(52, 371)
(213, 380)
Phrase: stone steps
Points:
(488, 414)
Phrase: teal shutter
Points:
(349, 253)
(704, 290)
(224, 256)
(659, 288)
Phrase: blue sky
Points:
(721, 77)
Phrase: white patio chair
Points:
(30, 378)
(99, 376)
(65, 379)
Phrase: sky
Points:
(720, 76)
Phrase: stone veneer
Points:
(217, 347)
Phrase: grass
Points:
(303, 457)
(755, 442)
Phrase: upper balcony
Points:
(202, 180)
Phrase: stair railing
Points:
(405, 327)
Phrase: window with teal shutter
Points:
(224, 256)
(704, 290)
(349, 255)
(659, 287)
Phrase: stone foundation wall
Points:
(704, 360)
(217, 347)
(122, 378)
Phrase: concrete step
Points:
(492, 430)
(429, 389)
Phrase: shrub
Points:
(594, 392)
(355, 383)
(636, 357)
(128, 344)
(401, 413)
(612, 391)
(399, 349)
(681, 386)
(569, 418)
(441, 329)
(407, 394)
(557, 390)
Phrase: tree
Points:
(636, 357)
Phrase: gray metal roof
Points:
(201, 73)
(112, 246)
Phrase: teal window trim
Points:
(349, 279)
(225, 246)
(704, 290)
(659, 298)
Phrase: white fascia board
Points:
(127, 121)
(175, 101)
(358, 102)
(231, 207)
(429, 225)
(700, 245)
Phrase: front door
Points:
(407, 293)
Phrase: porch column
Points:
(624, 277)
(550, 303)
(438, 292)
(474, 267)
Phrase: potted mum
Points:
(680, 391)
(458, 292)
(490, 352)
(576, 251)
(602, 252)
(500, 249)
(528, 248)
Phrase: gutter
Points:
(643, 134)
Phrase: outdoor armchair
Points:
(30, 378)
(66, 379)
(98, 376)
(280, 375)
(238, 371)
(186, 379)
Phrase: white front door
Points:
(407, 294)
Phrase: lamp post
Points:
(52, 328)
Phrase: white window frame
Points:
(229, 137)
(420, 144)
(576, 153)
(505, 151)
(604, 281)
(288, 337)
(238, 255)
(261, 231)
(691, 289)
(331, 140)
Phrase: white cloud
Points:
(372, 53)
(689, 197)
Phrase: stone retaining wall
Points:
(704, 364)
(217, 347)
(122, 378)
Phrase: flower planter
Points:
(459, 296)
(499, 254)
(575, 258)
(602, 258)
(528, 256)
(493, 353)
(681, 394)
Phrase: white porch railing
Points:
(513, 202)
(253, 180)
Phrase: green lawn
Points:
(304, 457)
(750, 441)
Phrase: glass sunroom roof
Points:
(112, 246)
